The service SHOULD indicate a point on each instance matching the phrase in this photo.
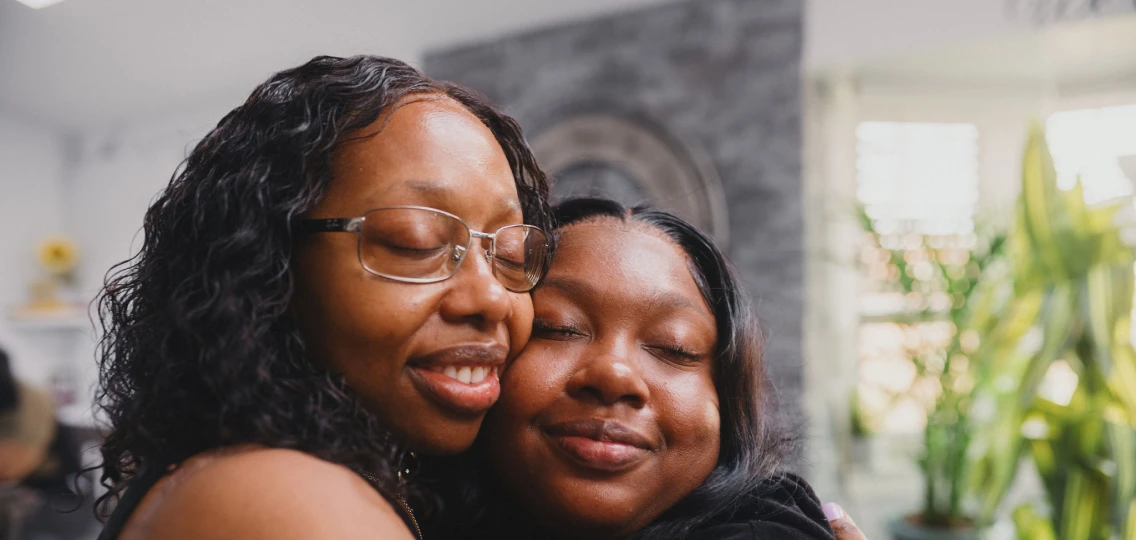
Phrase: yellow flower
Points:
(58, 255)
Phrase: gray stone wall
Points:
(722, 73)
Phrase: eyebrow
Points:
(576, 288)
(438, 189)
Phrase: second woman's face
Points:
(414, 352)
(610, 415)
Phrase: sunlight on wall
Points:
(918, 177)
(1088, 143)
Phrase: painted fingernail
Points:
(832, 511)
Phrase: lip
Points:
(463, 399)
(598, 444)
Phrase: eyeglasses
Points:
(417, 244)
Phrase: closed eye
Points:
(510, 265)
(412, 251)
(545, 329)
(676, 352)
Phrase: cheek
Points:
(712, 419)
(526, 389)
(520, 322)
(696, 425)
(376, 310)
(534, 380)
(350, 318)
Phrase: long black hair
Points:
(9, 396)
(754, 441)
(199, 349)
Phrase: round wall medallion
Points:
(633, 163)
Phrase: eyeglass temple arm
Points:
(306, 226)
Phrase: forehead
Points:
(427, 149)
(628, 261)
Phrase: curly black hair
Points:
(199, 349)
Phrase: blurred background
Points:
(930, 200)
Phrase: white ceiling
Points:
(93, 63)
(89, 62)
(1072, 57)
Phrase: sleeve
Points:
(35, 419)
(784, 509)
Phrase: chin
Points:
(446, 438)
(592, 525)
(598, 516)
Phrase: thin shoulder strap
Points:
(135, 492)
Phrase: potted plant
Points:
(1063, 317)
(939, 276)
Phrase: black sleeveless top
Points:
(140, 485)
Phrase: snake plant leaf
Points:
(1057, 319)
(1040, 202)
(998, 442)
(1000, 449)
(1032, 525)
(1085, 512)
(1122, 445)
(1075, 242)
(1130, 524)
(1122, 380)
(996, 354)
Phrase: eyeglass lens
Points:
(428, 245)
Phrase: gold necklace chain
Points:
(399, 499)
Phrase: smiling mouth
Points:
(466, 374)
(464, 380)
(605, 446)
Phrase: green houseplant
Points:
(1055, 290)
(1069, 301)
(949, 269)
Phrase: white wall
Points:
(116, 176)
(93, 186)
(31, 209)
(844, 33)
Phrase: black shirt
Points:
(785, 508)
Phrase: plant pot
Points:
(909, 528)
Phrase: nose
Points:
(610, 377)
(475, 295)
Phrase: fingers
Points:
(842, 523)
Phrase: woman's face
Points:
(395, 342)
(610, 415)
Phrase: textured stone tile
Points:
(722, 73)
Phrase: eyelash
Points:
(540, 325)
(679, 351)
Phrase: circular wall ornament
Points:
(633, 162)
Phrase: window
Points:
(1088, 143)
(917, 177)
(918, 186)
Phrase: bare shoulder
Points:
(266, 493)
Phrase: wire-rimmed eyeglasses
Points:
(418, 244)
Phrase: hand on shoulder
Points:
(267, 494)
(842, 523)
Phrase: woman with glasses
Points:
(335, 277)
